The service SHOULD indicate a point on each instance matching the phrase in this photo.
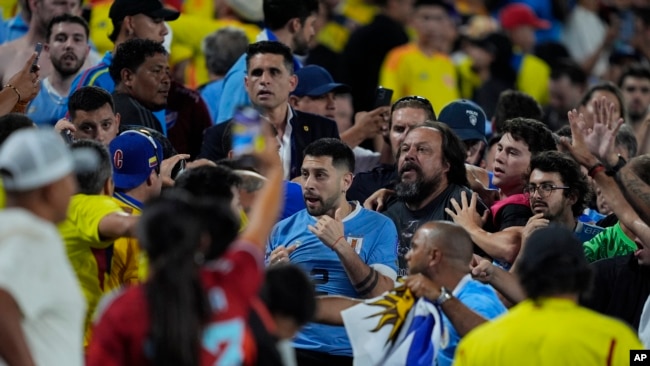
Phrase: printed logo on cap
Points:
(118, 159)
(473, 117)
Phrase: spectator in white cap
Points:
(41, 305)
(316, 93)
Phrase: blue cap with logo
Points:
(134, 154)
(314, 81)
(466, 118)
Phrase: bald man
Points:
(438, 267)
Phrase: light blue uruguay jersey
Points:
(48, 106)
(372, 235)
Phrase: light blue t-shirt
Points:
(12, 29)
(374, 238)
(211, 94)
(48, 106)
(477, 296)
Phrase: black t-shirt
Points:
(133, 113)
(407, 221)
(365, 184)
(512, 215)
(621, 288)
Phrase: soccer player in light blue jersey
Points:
(346, 249)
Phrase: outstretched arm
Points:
(503, 245)
(329, 308)
(266, 209)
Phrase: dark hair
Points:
(288, 291)
(533, 133)
(222, 49)
(117, 26)
(553, 263)
(213, 184)
(89, 98)
(552, 53)
(569, 171)
(272, 47)
(626, 138)
(636, 70)
(415, 102)
(170, 231)
(12, 122)
(513, 104)
(209, 181)
(453, 151)
(341, 154)
(132, 54)
(607, 87)
(570, 69)
(640, 166)
(67, 18)
(277, 13)
(564, 131)
(92, 182)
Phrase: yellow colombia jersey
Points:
(126, 251)
(408, 71)
(551, 333)
(532, 78)
(89, 255)
(188, 34)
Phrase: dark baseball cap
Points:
(466, 118)
(314, 81)
(151, 8)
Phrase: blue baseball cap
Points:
(314, 81)
(466, 118)
(134, 154)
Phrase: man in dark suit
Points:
(269, 80)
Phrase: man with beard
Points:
(635, 87)
(347, 250)
(67, 39)
(558, 192)
(431, 172)
(142, 80)
(290, 22)
(14, 54)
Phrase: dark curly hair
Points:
(572, 177)
(533, 133)
(132, 54)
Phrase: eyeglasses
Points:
(147, 135)
(544, 189)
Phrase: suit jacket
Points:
(305, 129)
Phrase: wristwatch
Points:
(613, 170)
(444, 296)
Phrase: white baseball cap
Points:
(33, 158)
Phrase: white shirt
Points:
(583, 33)
(35, 270)
(285, 146)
